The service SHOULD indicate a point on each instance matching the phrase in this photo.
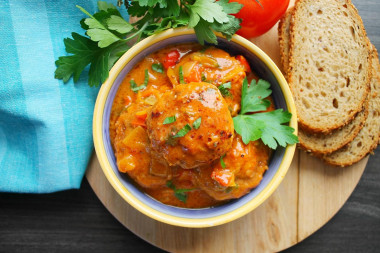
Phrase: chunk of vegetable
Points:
(140, 118)
(171, 59)
(223, 177)
(244, 62)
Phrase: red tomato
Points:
(171, 59)
(258, 19)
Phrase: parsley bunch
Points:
(265, 125)
(107, 32)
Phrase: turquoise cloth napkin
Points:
(45, 125)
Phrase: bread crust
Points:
(321, 144)
(283, 40)
(305, 120)
(369, 136)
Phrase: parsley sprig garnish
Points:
(107, 32)
(265, 125)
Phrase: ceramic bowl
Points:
(205, 217)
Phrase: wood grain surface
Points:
(75, 221)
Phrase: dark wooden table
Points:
(76, 221)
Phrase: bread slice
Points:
(283, 39)
(319, 144)
(368, 138)
(329, 67)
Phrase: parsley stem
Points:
(139, 32)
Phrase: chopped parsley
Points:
(169, 120)
(158, 67)
(181, 79)
(135, 88)
(222, 162)
(183, 131)
(197, 123)
(203, 78)
(180, 194)
(225, 89)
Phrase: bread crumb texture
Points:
(368, 138)
(329, 67)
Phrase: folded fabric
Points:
(45, 125)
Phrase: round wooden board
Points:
(309, 196)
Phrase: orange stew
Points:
(172, 131)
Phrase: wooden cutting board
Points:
(308, 197)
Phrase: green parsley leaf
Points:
(111, 32)
(169, 120)
(170, 184)
(265, 125)
(181, 196)
(119, 24)
(102, 16)
(228, 29)
(208, 10)
(214, 16)
(135, 88)
(204, 33)
(85, 52)
(158, 67)
(197, 123)
(183, 131)
(173, 9)
(98, 32)
(181, 79)
(253, 97)
(178, 193)
(152, 3)
(136, 10)
(116, 51)
(225, 89)
(104, 6)
(230, 8)
(222, 162)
